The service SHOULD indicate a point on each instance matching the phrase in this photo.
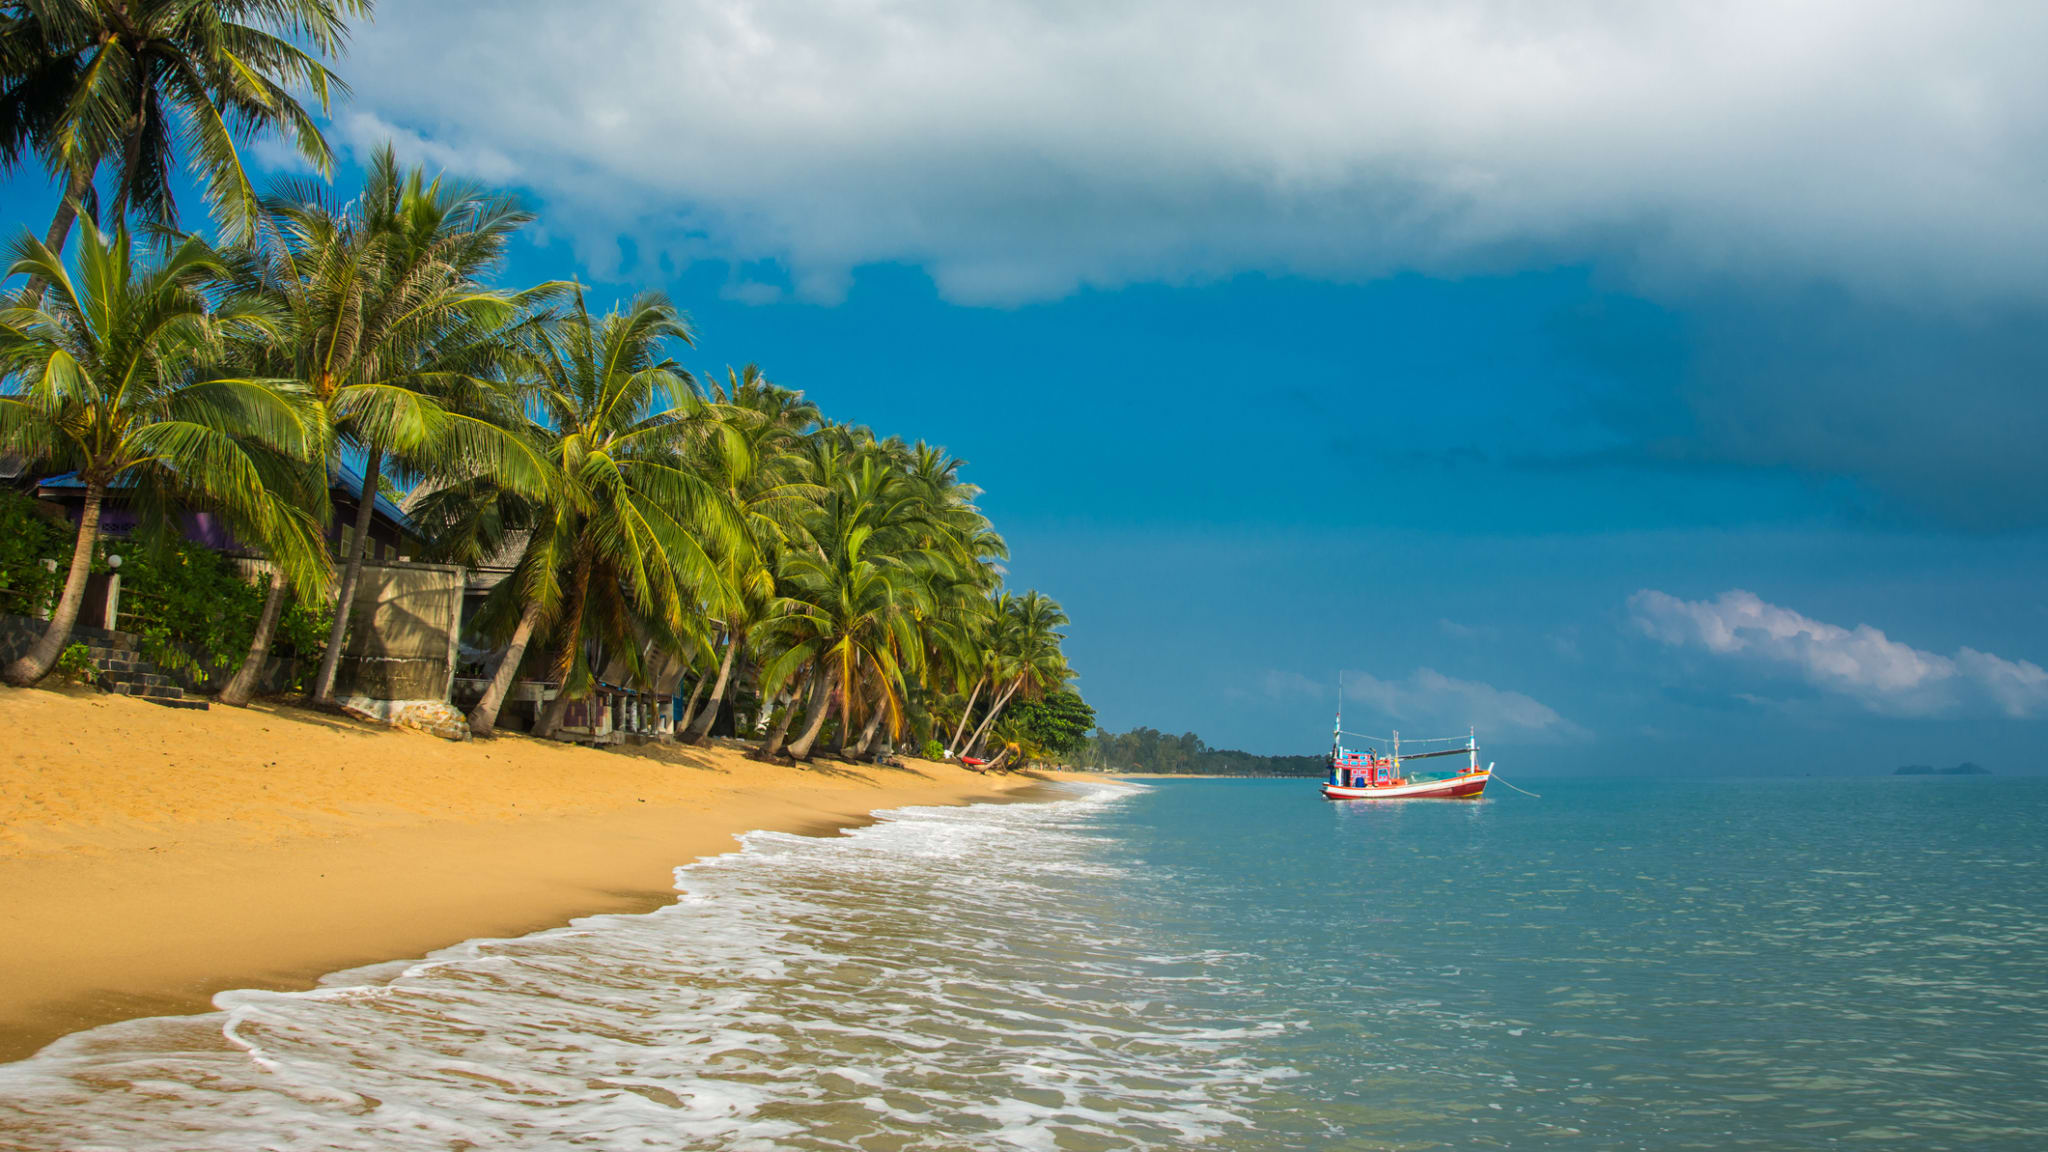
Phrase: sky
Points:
(1654, 388)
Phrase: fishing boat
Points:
(1369, 775)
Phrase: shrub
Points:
(27, 538)
(933, 750)
(190, 605)
(74, 666)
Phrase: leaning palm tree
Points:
(625, 545)
(1028, 660)
(127, 83)
(848, 607)
(754, 461)
(112, 373)
(290, 537)
(392, 331)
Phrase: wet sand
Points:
(151, 857)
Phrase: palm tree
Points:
(625, 546)
(844, 615)
(975, 630)
(394, 334)
(295, 493)
(1027, 654)
(850, 597)
(126, 82)
(754, 461)
(112, 373)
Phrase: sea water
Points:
(1231, 964)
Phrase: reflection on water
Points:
(1233, 964)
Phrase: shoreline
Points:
(151, 858)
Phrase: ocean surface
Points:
(1235, 964)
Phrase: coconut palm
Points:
(126, 83)
(845, 616)
(625, 546)
(1027, 657)
(112, 373)
(295, 493)
(755, 463)
(405, 350)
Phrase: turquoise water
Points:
(1224, 964)
(1798, 964)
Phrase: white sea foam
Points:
(947, 978)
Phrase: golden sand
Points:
(150, 857)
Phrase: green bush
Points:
(74, 666)
(933, 750)
(27, 538)
(190, 606)
(301, 634)
(196, 613)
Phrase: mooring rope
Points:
(1496, 778)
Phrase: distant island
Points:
(1150, 750)
(1966, 768)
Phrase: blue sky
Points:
(1657, 390)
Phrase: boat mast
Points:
(1397, 753)
(1337, 736)
(1472, 742)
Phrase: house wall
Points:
(387, 542)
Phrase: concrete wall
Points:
(403, 632)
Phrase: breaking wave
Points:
(946, 978)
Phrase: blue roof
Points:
(350, 480)
(344, 477)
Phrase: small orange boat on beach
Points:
(1368, 775)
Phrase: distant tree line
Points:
(1150, 750)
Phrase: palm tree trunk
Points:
(76, 188)
(690, 709)
(43, 656)
(801, 750)
(243, 685)
(865, 749)
(710, 716)
(483, 719)
(551, 714)
(565, 661)
(772, 747)
(131, 160)
(840, 734)
(966, 714)
(989, 721)
(337, 636)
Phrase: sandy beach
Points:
(150, 858)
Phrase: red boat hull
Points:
(1466, 787)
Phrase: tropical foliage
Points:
(1055, 727)
(92, 89)
(121, 374)
(28, 538)
(713, 541)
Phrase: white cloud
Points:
(1862, 663)
(1019, 148)
(363, 133)
(1443, 705)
